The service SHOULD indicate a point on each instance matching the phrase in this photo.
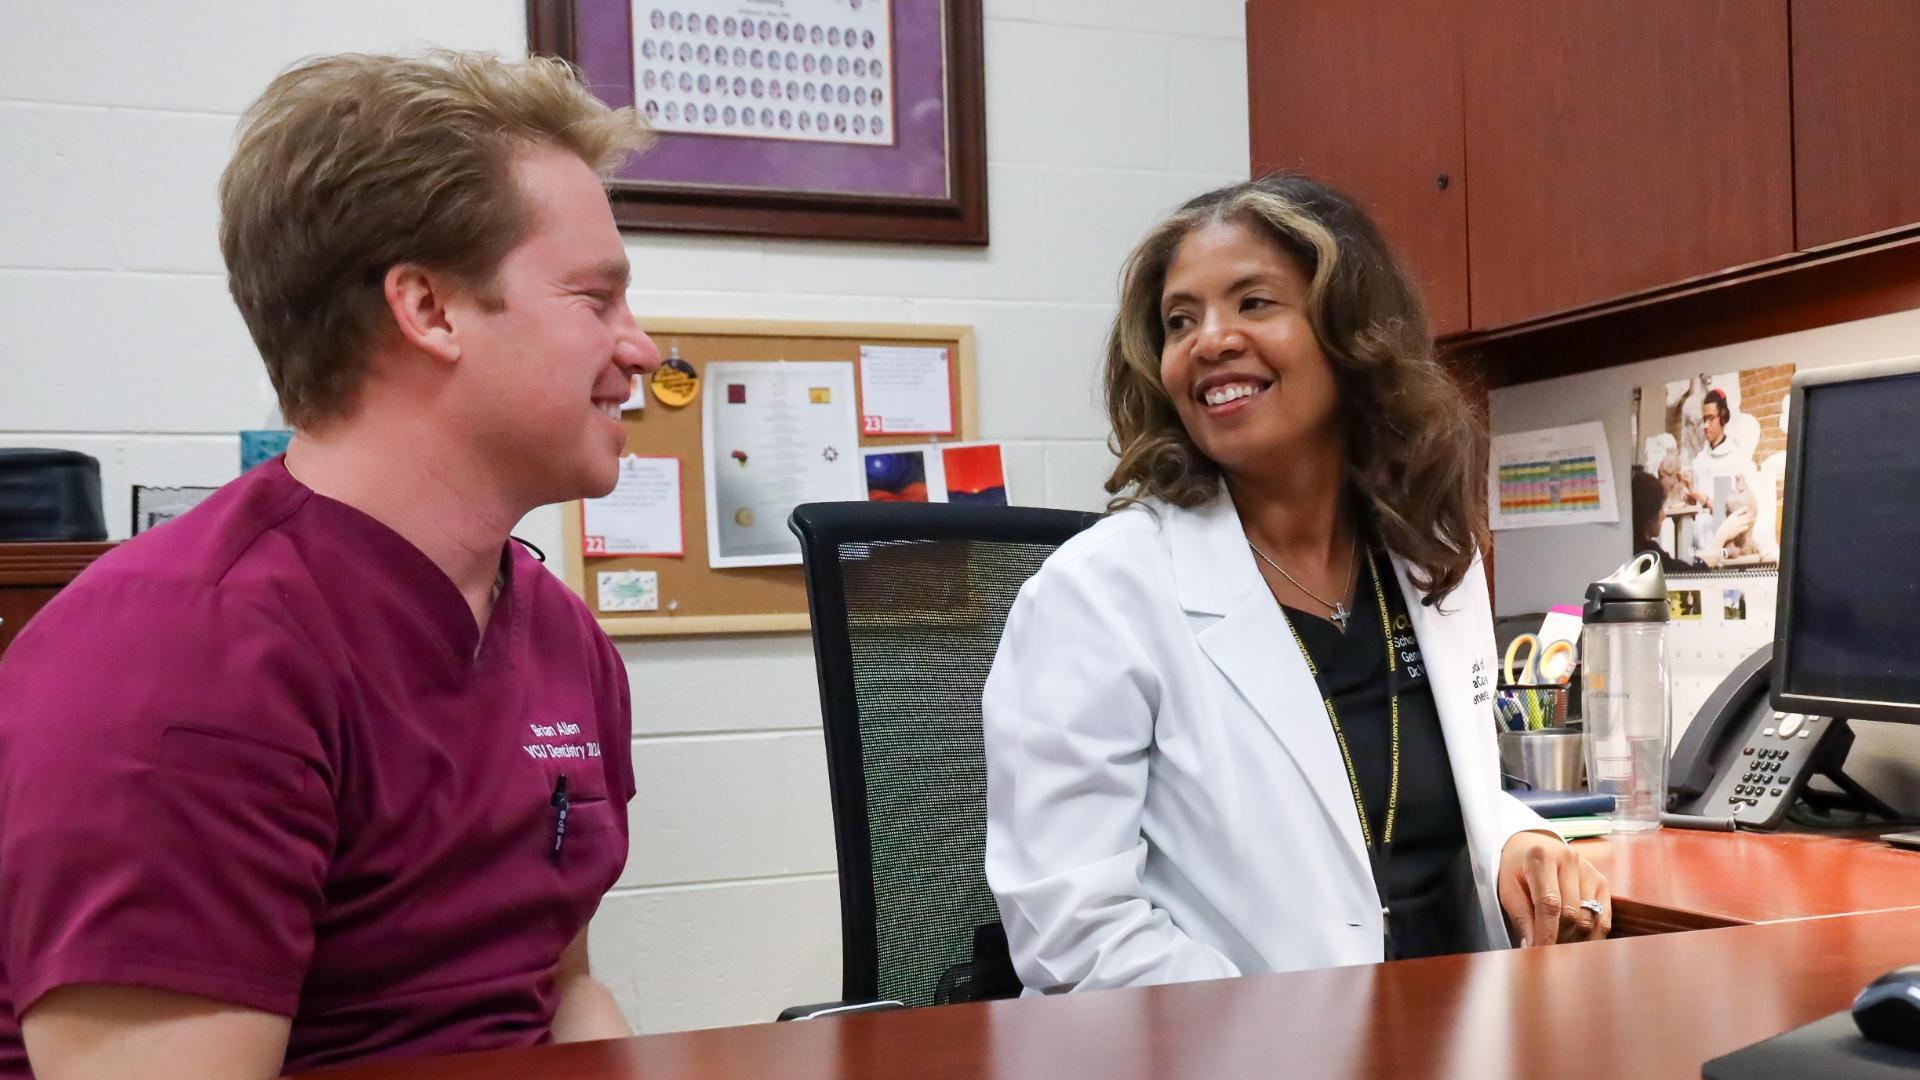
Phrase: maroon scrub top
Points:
(262, 754)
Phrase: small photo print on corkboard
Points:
(903, 475)
(975, 474)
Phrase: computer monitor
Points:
(1847, 632)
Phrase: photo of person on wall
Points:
(1715, 447)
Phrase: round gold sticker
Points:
(675, 382)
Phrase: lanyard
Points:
(1380, 853)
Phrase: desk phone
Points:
(1744, 759)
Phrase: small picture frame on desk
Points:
(818, 119)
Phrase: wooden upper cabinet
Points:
(1856, 99)
(1365, 94)
(1617, 145)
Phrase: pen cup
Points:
(1537, 705)
(1550, 759)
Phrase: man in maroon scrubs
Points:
(329, 769)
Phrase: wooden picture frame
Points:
(928, 186)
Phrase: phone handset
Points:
(1721, 721)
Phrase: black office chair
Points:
(908, 601)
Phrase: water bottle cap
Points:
(1635, 593)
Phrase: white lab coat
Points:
(1733, 459)
(1165, 798)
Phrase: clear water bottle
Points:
(1626, 692)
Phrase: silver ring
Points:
(1591, 905)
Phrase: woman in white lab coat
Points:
(1244, 723)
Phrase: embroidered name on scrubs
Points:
(559, 741)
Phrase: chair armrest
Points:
(836, 1008)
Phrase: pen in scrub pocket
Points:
(560, 805)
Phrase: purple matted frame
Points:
(929, 187)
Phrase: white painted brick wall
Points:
(117, 339)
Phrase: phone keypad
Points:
(1764, 773)
(1767, 764)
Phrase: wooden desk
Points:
(1647, 1007)
(1683, 879)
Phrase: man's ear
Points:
(418, 299)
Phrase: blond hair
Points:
(1415, 450)
(348, 165)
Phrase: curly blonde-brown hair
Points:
(1415, 449)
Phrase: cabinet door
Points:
(1617, 145)
(1365, 94)
(1856, 145)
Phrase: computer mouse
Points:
(1888, 1010)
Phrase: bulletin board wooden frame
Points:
(694, 598)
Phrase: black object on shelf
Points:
(50, 495)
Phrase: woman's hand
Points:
(1543, 882)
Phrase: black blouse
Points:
(1429, 878)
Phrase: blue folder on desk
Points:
(1558, 804)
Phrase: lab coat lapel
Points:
(1254, 650)
(1461, 679)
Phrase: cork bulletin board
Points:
(693, 597)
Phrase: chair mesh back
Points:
(924, 620)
